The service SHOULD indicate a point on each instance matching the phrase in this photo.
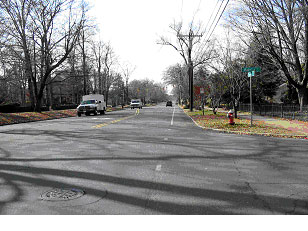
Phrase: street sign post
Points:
(251, 72)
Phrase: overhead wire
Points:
(206, 37)
(201, 48)
(206, 27)
(218, 19)
(212, 14)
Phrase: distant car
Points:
(169, 103)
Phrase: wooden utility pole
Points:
(184, 46)
(190, 65)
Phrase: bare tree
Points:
(228, 66)
(45, 32)
(147, 90)
(85, 42)
(175, 76)
(98, 51)
(184, 44)
(127, 70)
(216, 90)
(281, 28)
(110, 60)
(13, 84)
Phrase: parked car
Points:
(169, 103)
(92, 104)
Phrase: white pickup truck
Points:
(92, 104)
(136, 103)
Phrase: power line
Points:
(208, 31)
(212, 14)
(207, 40)
(219, 18)
(214, 18)
(190, 36)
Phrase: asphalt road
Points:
(149, 161)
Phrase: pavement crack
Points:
(237, 169)
(256, 197)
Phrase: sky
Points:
(133, 28)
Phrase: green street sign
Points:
(250, 69)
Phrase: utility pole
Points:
(190, 65)
(184, 47)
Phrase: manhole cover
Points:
(61, 194)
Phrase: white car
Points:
(92, 104)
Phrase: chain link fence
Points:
(277, 110)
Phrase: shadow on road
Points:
(14, 173)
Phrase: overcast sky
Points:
(134, 26)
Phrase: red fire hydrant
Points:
(231, 118)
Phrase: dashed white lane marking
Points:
(158, 167)
(172, 116)
(165, 139)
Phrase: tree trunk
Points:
(30, 88)
(302, 97)
(51, 95)
(38, 104)
(106, 96)
(48, 96)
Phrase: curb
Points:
(31, 121)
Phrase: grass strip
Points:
(219, 121)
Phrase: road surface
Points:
(149, 161)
